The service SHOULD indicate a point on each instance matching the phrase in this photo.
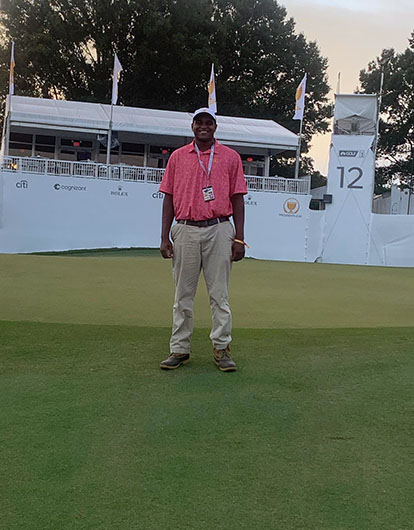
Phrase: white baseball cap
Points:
(205, 110)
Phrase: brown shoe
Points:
(224, 361)
(175, 360)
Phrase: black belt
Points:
(207, 222)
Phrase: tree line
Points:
(396, 139)
(65, 48)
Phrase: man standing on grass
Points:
(203, 185)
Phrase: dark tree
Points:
(65, 48)
(396, 140)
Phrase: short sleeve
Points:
(167, 183)
(238, 180)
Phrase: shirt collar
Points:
(191, 147)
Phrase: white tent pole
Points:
(108, 147)
(298, 151)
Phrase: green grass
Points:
(314, 431)
(139, 292)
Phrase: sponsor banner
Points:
(68, 187)
(22, 185)
(249, 200)
(60, 213)
(349, 153)
(291, 208)
(351, 184)
(119, 192)
(277, 226)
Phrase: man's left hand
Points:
(237, 251)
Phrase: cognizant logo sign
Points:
(65, 187)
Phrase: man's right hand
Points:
(166, 249)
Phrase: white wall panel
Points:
(44, 213)
(392, 240)
(58, 213)
(276, 225)
(314, 232)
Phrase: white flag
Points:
(12, 65)
(300, 99)
(117, 71)
(212, 102)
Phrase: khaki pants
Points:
(207, 248)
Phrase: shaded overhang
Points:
(82, 117)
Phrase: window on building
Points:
(158, 156)
(253, 165)
(132, 154)
(45, 146)
(20, 144)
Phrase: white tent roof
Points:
(360, 105)
(94, 117)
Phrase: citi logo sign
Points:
(22, 185)
(352, 154)
(158, 195)
(65, 187)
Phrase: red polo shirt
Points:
(184, 180)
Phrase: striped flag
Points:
(212, 101)
(115, 79)
(12, 65)
(300, 100)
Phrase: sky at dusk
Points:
(350, 34)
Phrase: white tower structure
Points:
(346, 234)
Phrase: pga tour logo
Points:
(352, 154)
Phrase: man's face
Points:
(204, 127)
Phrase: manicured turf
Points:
(314, 431)
(139, 292)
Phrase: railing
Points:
(63, 168)
(279, 184)
(151, 175)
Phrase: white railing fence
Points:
(63, 168)
(279, 184)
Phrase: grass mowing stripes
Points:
(264, 294)
(312, 432)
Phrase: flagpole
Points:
(6, 131)
(114, 98)
(108, 147)
(299, 115)
(377, 125)
(7, 120)
(298, 150)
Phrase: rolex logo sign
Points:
(291, 206)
